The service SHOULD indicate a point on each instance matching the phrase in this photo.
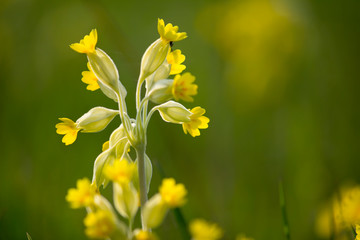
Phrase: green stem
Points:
(283, 211)
(121, 111)
(138, 91)
(140, 152)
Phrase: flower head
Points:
(197, 121)
(87, 44)
(171, 193)
(203, 230)
(183, 87)
(175, 58)
(68, 128)
(144, 235)
(169, 33)
(99, 224)
(90, 78)
(82, 195)
(121, 171)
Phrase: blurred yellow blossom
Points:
(144, 235)
(169, 33)
(183, 87)
(99, 224)
(67, 128)
(121, 171)
(87, 44)
(197, 121)
(82, 195)
(357, 229)
(203, 230)
(172, 194)
(175, 58)
(90, 78)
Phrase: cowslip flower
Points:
(172, 194)
(203, 230)
(87, 44)
(99, 224)
(89, 78)
(197, 121)
(175, 58)
(82, 195)
(169, 33)
(69, 129)
(144, 235)
(183, 87)
(121, 171)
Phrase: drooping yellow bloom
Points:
(175, 58)
(203, 230)
(90, 78)
(169, 33)
(82, 195)
(87, 44)
(197, 121)
(121, 171)
(144, 235)
(69, 129)
(243, 237)
(99, 224)
(172, 194)
(105, 146)
(183, 87)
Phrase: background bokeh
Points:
(279, 80)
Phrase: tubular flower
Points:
(169, 33)
(197, 121)
(99, 224)
(183, 87)
(87, 44)
(144, 235)
(172, 194)
(82, 195)
(90, 78)
(175, 58)
(203, 230)
(121, 171)
(69, 129)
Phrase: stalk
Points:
(140, 152)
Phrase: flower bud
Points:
(174, 112)
(161, 91)
(126, 199)
(96, 119)
(154, 211)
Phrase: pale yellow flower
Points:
(69, 129)
(203, 230)
(87, 44)
(99, 224)
(183, 87)
(90, 78)
(169, 33)
(144, 235)
(197, 121)
(121, 171)
(82, 195)
(175, 58)
(172, 194)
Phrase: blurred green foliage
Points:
(279, 80)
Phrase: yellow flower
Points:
(144, 235)
(171, 193)
(183, 87)
(175, 58)
(87, 44)
(197, 121)
(82, 195)
(90, 78)
(169, 33)
(203, 230)
(69, 129)
(357, 232)
(121, 171)
(105, 146)
(99, 224)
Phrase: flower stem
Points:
(140, 152)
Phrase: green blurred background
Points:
(279, 80)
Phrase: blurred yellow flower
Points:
(121, 171)
(203, 230)
(99, 224)
(90, 78)
(169, 33)
(175, 58)
(82, 195)
(144, 235)
(357, 232)
(87, 44)
(183, 87)
(172, 194)
(197, 121)
(69, 129)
